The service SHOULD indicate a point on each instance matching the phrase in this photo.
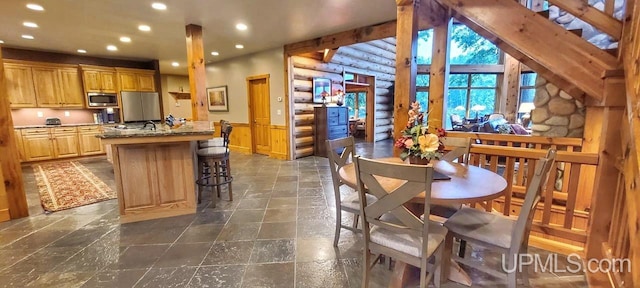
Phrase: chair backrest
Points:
(412, 180)
(455, 119)
(534, 191)
(225, 132)
(459, 147)
(495, 116)
(340, 152)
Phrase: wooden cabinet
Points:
(18, 134)
(20, 88)
(47, 85)
(330, 123)
(136, 80)
(65, 142)
(88, 142)
(99, 79)
(37, 144)
(71, 88)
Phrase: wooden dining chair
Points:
(458, 147)
(389, 228)
(508, 236)
(340, 152)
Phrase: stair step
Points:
(544, 13)
(576, 31)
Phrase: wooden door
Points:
(65, 145)
(146, 83)
(128, 81)
(108, 81)
(20, 86)
(260, 114)
(37, 147)
(4, 200)
(92, 82)
(71, 87)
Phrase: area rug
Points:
(68, 184)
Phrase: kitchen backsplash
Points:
(29, 116)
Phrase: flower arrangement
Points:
(416, 141)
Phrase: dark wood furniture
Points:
(330, 123)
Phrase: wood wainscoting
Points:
(240, 139)
(279, 142)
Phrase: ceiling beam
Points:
(587, 13)
(328, 55)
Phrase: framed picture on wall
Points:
(321, 86)
(218, 99)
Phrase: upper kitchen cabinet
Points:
(20, 85)
(136, 80)
(71, 87)
(99, 79)
(47, 84)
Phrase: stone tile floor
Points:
(278, 232)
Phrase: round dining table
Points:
(467, 184)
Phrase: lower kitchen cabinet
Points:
(37, 144)
(65, 142)
(88, 142)
(37, 147)
(18, 134)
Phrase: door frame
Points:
(267, 77)
(370, 89)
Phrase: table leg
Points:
(405, 274)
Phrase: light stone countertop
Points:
(190, 128)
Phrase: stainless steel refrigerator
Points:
(140, 106)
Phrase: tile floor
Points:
(278, 232)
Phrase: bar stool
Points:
(213, 164)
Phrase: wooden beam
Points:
(587, 13)
(197, 74)
(328, 54)
(609, 7)
(406, 66)
(510, 88)
(575, 59)
(10, 157)
(439, 76)
(460, 69)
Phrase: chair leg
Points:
(512, 275)
(437, 273)
(356, 217)
(525, 270)
(217, 172)
(365, 268)
(228, 178)
(446, 258)
(463, 248)
(336, 236)
(200, 179)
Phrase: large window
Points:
(357, 104)
(467, 47)
(471, 96)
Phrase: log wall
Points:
(374, 58)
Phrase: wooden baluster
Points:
(548, 194)
(572, 191)
(510, 170)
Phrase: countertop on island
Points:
(188, 129)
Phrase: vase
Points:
(415, 160)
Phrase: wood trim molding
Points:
(462, 69)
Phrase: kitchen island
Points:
(155, 169)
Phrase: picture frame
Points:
(218, 99)
(321, 85)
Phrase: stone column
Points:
(557, 114)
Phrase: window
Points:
(527, 90)
(471, 96)
(467, 47)
(356, 102)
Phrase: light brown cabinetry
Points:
(20, 88)
(37, 144)
(47, 86)
(136, 80)
(88, 142)
(65, 142)
(99, 79)
(18, 134)
(71, 88)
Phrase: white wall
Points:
(234, 73)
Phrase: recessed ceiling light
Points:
(27, 37)
(239, 46)
(159, 6)
(241, 26)
(175, 64)
(30, 24)
(112, 48)
(35, 7)
(215, 53)
(82, 51)
(145, 28)
(125, 39)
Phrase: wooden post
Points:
(197, 74)
(510, 88)
(9, 158)
(439, 75)
(406, 64)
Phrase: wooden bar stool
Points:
(214, 142)
(214, 168)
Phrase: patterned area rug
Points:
(64, 185)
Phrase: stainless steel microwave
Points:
(100, 100)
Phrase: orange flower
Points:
(428, 143)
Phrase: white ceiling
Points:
(69, 25)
